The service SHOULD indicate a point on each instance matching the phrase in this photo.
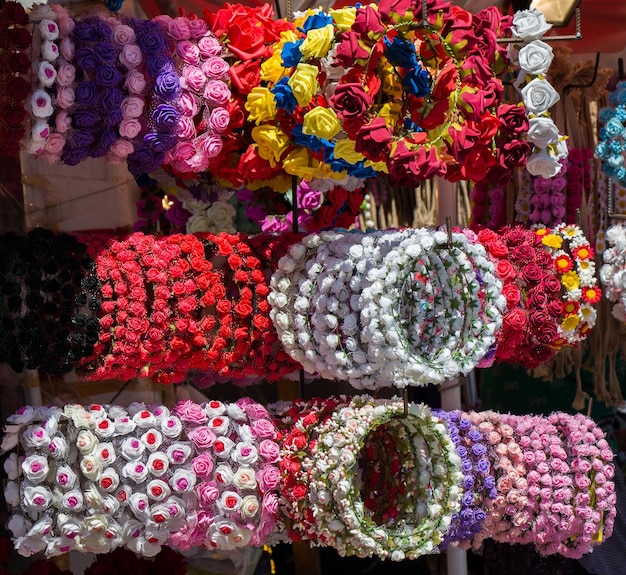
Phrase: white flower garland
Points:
(534, 58)
(613, 272)
(341, 518)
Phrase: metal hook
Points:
(449, 230)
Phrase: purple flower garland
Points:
(162, 116)
(547, 201)
(479, 484)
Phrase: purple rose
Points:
(468, 482)
(479, 515)
(475, 435)
(309, 199)
(167, 85)
(82, 139)
(91, 29)
(85, 118)
(152, 40)
(112, 99)
(489, 482)
(75, 156)
(106, 53)
(483, 466)
(160, 142)
(468, 499)
(108, 77)
(142, 160)
(86, 94)
(87, 60)
(159, 64)
(165, 117)
(177, 214)
(114, 116)
(462, 451)
(465, 424)
(466, 466)
(106, 140)
(479, 449)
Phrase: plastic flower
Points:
(571, 280)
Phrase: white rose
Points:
(132, 448)
(542, 164)
(105, 452)
(35, 468)
(245, 453)
(132, 529)
(246, 433)
(171, 427)
(12, 494)
(249, 506)
(535, 58)
(110, 505)
(139, 505)
(37, 498)
(82, 419)
(176, 507)
(42, 11)
(543, 132)
(183, 481)
(124, 425)
(17, 525)
(40, 529)
(90, 467)
(109, 480)
(539, 96)
(96, 524)
(158, 490)
(104, 427)
(529, 25)
(178, 453)
(35, 437)
(72, 501)
(158, 464)
(221, 215)
(58, 447)
(144, 418)
(93, 499)
(86, 442)
(214, 408)
(12, 466)
(198, 223)
(223, 447)
(219, 425)
(136, 471)
(49, 51)
(152, 439)
(279, 299)
(23, 416)
(229, 501)
(160, 516)
(235, 412)
(240, 537)
(65, 477)
(224, 474)
(245, 478)
(46, 74)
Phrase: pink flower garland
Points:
(547, 202)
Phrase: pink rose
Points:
(201, 436)
(197, 28)
(181, 152)
(202, 466)
(122, 35)
(132, 107)
(55, 144)
(188, 104)
(219, 119)
(131, 56)
(135, 82)
(209, 46)
(178, 28)
(188, 52)
(217, 92)
(533, 490)
(268, 478)
(263, 429)
(122, 148)
(194, 78)
(543, 467)
(129, 129)
(212, 145)
(215, 67)
(67, 49)
(207, 493)
(269, 450)
(66, 74)
(190, 411)
(65, 97)
(186, 129)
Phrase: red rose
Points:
(13, 114)
(299, 491)
(463, 141)
(515, 236)
(374, 140)
(536, 298)
(349, 49)
(223, 306)
(524, 253)
(350, 101)
(543, 258)
(538, 318)
(513, 118)
(245, 76)
(477, 163)
(551, 284)
(253, 167)
(497, 248)
(531, 273)
(515, 319)
(18, 88)
(485, 236)
(179, 288)
(555, 308)
(512, 295)
(505, 270)
(513, 154)
(17, 39)
(548, 334)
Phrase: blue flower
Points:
(400, 53)
(417, 81)
(283, 95)
(291, 54)
(317, 21)
(313, 143)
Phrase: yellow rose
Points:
(326, 172)
(390, 83)
(272, 142)
(278, 184)
(344, 18)
(317, 42)
(299, 163)
(299, 21)
(260, 105)
(303, 83)
(391, 113)
(272, 69)
(321, 122)
(344, 150)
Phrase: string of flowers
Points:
(534, 58)
(610, 147)
(547, 200)
(612, 272)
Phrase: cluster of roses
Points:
(224, 476)
(179, 303)
(332, 98)
(14, 84)
(96, 478)
(550, 288)
(48, 305)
